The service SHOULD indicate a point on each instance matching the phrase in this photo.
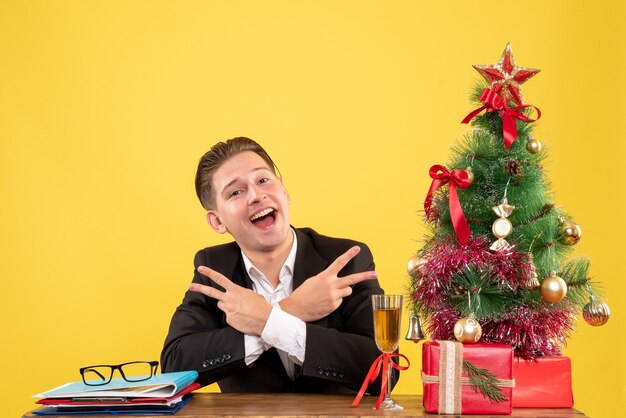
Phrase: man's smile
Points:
(264, 218)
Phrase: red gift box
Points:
(543, 383)
(439, 358)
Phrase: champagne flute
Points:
(387, 311)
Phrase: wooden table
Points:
(231, 405)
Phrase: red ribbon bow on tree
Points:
(458, 178)
(494, 102)
(382, 362)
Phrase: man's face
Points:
(251, 203)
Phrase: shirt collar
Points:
(288, 266)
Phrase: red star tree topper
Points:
(505, 77)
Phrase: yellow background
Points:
(106, 107)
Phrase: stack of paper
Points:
(163, 394)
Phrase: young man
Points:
(280, 309)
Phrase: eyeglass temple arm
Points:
(94, 371)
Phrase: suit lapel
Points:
(308, 261)
(240, 274)
(230, 264)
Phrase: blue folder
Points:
(159, 385)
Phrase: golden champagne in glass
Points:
(387, 311)
(387, 329)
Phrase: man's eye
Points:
(235, 193)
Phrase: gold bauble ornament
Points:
(467, 330)
(415, 263)
(553, 288)
(570, 233)
(533, 146)
(470, 175)
(596, 313)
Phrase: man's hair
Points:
(218, 155)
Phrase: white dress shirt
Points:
(282, 331)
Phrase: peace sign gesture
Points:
(321, 294)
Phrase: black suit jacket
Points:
(339, 348)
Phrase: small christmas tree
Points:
(496, 260)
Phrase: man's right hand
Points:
(321, 294)
(245, 310)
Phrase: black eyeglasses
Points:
(134, 371)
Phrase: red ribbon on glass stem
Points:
(494, 102)
(382, 362)
(458, 178)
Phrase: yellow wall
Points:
(106, 106)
